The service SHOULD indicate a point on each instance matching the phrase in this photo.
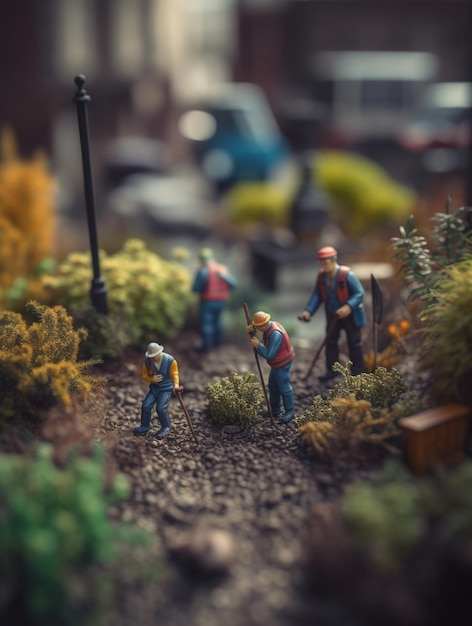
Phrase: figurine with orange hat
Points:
(161, 371)
(343, 296)
(276, 348)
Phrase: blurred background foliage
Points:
(27, 223)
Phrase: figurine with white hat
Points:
(161, 371)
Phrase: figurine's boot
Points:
(166, 426)
(145, 425)
(289, 408)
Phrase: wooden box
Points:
(436, 437)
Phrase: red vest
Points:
(341, 284)
(286, 354)
(216, 288)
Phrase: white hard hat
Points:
(153, 350)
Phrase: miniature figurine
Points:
(213, 282)
(161, 371)
(276, 348)
(342, 293)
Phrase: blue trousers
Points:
(160, 398)
(210, 322)
(280, 387)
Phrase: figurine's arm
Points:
(312, 306)
(146, 376)
(270, 352)
(230, 280)
(356, 290)
(174, 374)
(200, 280)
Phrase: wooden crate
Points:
(436, 437)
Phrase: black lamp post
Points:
(98, 291)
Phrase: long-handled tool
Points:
(178, 393)
(377, 313)
(331, 327)
(269, 408)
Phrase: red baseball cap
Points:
(327, 252)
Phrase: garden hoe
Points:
(331, 327)
(184, 409)
(269, 408)
(377, 314)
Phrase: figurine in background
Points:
(161, 371)
(276, 348)
(214, 283)
(343, 295)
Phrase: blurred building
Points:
(145, 59)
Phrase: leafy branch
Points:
(419, 267)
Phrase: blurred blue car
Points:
(235, 136)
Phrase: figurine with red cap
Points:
(276, 348)
(343, 296)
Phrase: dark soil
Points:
(229, 514)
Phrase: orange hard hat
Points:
(260, 318)
(327, 252)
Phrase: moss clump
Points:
(235, 399)
(352, 426)
(356, 411)
(382, 389)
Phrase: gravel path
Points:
(234, 505)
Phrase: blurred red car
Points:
(440, 133)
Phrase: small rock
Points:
(209, 551)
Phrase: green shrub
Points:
(446, 351)
(107, 335)
(153, 294)
(355, 412)
(235, 399)
(391, 516)
(38, 362)
(57, 546)
(419, 263)
(364, 197)
(382, 389)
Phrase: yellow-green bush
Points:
(235, 399)
(38, 362)
(258, 203)
(27, 222)
(150, 292)
(364, 197)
